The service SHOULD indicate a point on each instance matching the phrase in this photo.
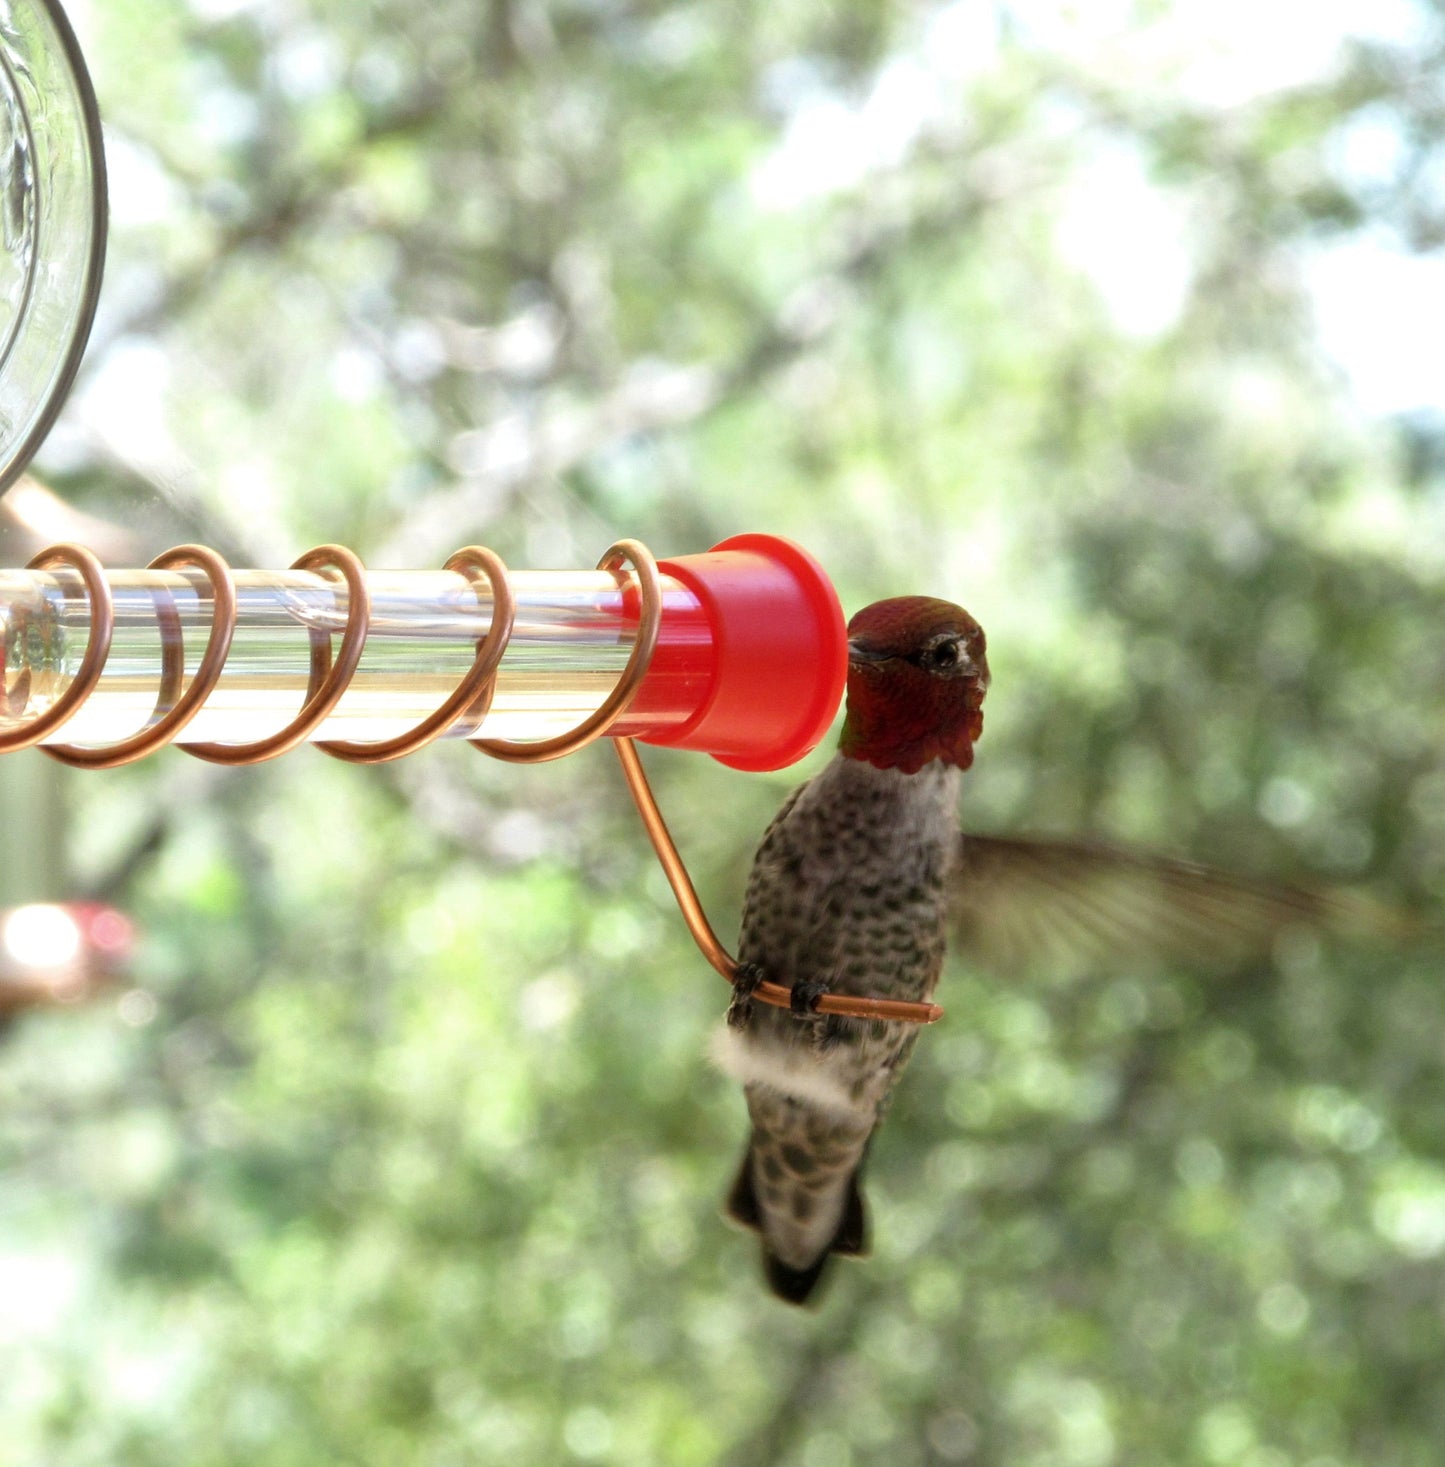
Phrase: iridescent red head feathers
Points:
(916, 679)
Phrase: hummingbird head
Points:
(916, 679)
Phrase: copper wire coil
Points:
(175, 705)
(97, 646)
(177, 702)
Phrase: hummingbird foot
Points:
(746, 978)
(804, 998)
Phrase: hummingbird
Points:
(860, 882)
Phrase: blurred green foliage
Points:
(416, 1158)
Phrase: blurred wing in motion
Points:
(1025, 903)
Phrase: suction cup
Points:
(52, 221)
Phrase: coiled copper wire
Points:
(175, 706)
(177, 702)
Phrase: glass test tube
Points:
(571, 638)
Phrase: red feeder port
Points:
(768, 654)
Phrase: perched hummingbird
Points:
(854, 889)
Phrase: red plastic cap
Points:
(780, 648)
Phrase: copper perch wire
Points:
(177, 702)
(692, 913)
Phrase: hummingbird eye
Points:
(943, 656)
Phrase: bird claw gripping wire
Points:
(745, 980)
(179, 700)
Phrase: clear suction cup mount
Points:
(52, 219)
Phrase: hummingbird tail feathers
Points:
(741, 1204)
(790, 1283)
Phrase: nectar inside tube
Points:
(748, 665)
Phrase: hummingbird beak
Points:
(860, 653)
